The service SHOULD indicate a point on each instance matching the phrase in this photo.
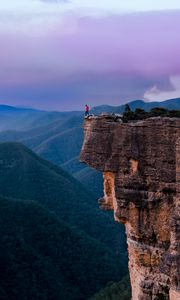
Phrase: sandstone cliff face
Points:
(141, 168)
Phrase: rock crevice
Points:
(141, 169)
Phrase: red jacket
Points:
(87, 108)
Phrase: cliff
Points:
(141, 169)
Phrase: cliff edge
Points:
(141, 169)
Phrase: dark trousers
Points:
(86, 113)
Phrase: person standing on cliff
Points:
(86, 110)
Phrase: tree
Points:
(127, 108)
(128, 114)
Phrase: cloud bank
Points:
(72, 58)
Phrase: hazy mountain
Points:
(13, 109)
(44, 258)
(63, 146)
(26, 118)
(73, 165)
(168, 104)
(92, 180)
(14, 117)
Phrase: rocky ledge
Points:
(141, 168)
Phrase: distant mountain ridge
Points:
(17, 118)
(22, 119)
(58, 136)
(168, 104)
(6, 108)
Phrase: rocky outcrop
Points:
(141, 168)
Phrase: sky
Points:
(62, 54)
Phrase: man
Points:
(86, 110)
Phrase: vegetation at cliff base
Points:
(115, 291)
(44, 258)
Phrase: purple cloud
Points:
(108, 59)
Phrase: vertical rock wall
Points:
(141, 167)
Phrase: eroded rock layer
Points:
(141, 168)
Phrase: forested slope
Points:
(45, 258)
